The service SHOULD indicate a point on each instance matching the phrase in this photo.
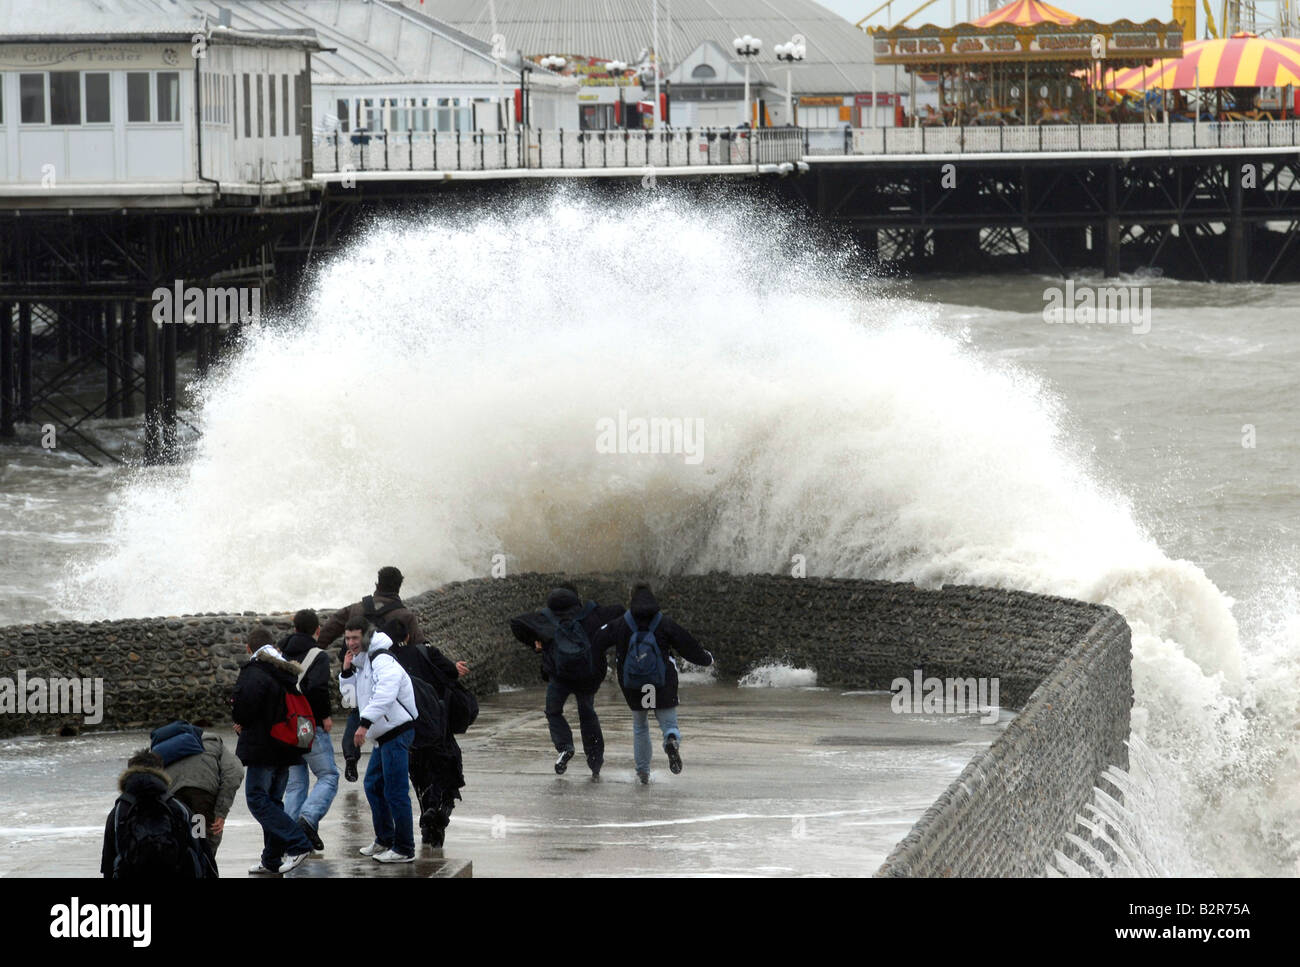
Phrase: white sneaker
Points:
(374, 849)
(392, 856)
(257, 869)
(293, 862)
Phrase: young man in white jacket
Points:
(386, 699)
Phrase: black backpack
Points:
(459, 703)
(572, 646)
(375, 615)
(154, 840)
(429, 713)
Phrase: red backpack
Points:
(298, 727)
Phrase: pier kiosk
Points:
(137, 156)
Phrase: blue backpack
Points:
(572, 646)
(176, 740)
(644, 664)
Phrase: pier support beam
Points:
(1111, 267)
(152, 387)
(1238, 254)
(25, 362)
(112, 404)
(6, 371)
(126, 356)
(169, 334)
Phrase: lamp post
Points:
(747, 48)
(617, 69)
(789, 53)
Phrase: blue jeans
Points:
(264, 793)
(667, 719)
(388, 792)
(593, 740)
(320, 760)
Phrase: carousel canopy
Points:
(1239, 61)
(1026, 13)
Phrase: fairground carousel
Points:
(1027, 63)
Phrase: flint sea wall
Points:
(1063, 665)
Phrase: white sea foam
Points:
(777, 675)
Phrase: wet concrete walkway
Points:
(778, 782)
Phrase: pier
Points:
(80, 264)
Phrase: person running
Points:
(257, 705)
(150, 834)
(309, 810)
(386, 700)
(377, 608)
(205, 775)
(649, 677)
(562, 633)
(437, 771)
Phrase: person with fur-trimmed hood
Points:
(387, 712)
(149, 833)
(651, 684)
(257, 704)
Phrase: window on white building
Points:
(169, 96)
(31, 98)
(137, 98)
(65, 97)
(97, 98)
(270, 101)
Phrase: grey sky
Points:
(940, 12)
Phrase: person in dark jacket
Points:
(537, 630)
(150, 834)
(437, 772)
(309, 810)
(257, 704)
(642, 615)
(382, 606)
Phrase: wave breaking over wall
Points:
(437, 401)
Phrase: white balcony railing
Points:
(1053, 137)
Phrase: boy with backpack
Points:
(205, 775)
(387, 713)
(562, 632)
(149, 833)
(445, 708)
(309, 810)
(276, 726)
(644, 639)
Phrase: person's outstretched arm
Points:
(334, 627)
(685, 644)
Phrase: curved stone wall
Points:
(1063, 664)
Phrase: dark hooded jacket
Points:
(316, 686)
(671, 637)
(143, 783)
(333, 628)
(535, 626)
(439, 671)
(258, 703)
